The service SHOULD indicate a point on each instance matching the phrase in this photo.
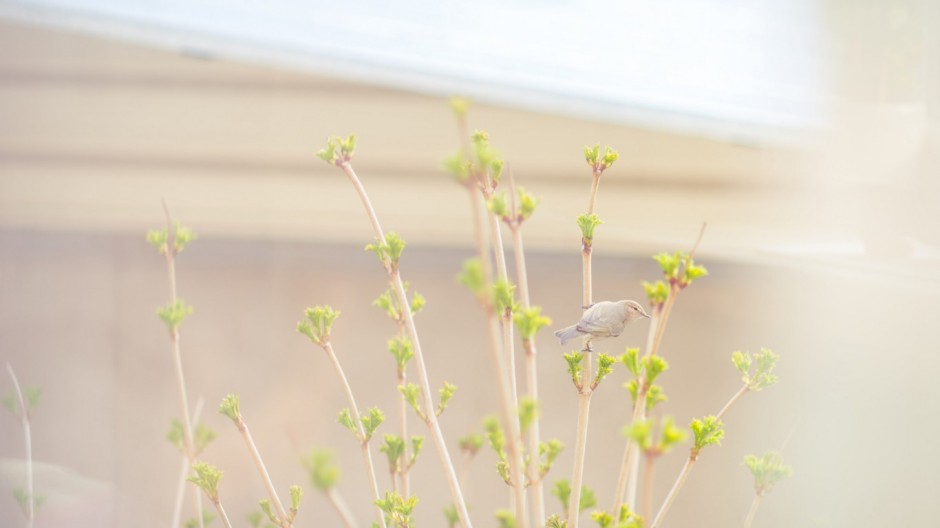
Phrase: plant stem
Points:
(28, 440)
(648, 486)
(505, 318)
(531, 365)
(507, 414)
(218, 507)
(431, 419)
(341, 508)
(263, 471)
(684, 474)
(733, 399)
(404, 479)
(363, 441)
(752, 511)
(184, 470)
(178, 358)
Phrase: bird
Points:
(602, 320)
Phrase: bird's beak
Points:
(646, 315)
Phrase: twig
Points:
(341, 508)
(648, 486)
(184, 471)
(263, 471)
(218, 507)
(508, 417)
(431, 420)
(189, 446)
(28, 440)
(684, 474)
(733, 399)
(752, 511)
(363, 441)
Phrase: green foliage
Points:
(265, 505)
(296, 492)
(574, 366)
(562, 490)
(207, 478)
(767, 470)
(598, 163)
(505, 519)
(417, 443)
(657, 292)
(230, 407)
(640, 432)
(603, 519)
(472, 277)
(527, 204)
(397, 508)
(498, 205)
(487, 158)
(494, 435)
(605, 364)
(653, 366)
(654, 394)
(371, 422)
(446, 393)
(529, 321)
(548, 452)
(182, 236)
(707, 431)
(23, 499)
(674, 271)
(389, 252)
(670, 435)
(323, 471)
(173, 314)
(388, 302)
(207, 518)
(338, 150)
(318, 323)
(555, 521)
(591, 154)
(459, 106)
(762, 376)
(631, 359)
(669, 262)
(471, 443)
(458, 166)
(643, 433)
(401, 350)
(203, 435)
(450, 514)
(346, 420)
(503, 297)
(176, 434)
(393, 446)
(410, 393)
(693, 272)
(588, 223)
(528, 412)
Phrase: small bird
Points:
(602, 320)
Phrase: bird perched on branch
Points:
(602, 320)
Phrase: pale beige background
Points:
(827, 255)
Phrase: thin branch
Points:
(341, 508)
(648, 486)
(283, 518)
(749, 520)
(28, 441)
(680, 480)
(184, 471)
(363, 441)
(189, 446)
(218, 507)
(731, 402)
(431, 420)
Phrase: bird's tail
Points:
(566, 334)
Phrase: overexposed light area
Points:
(734, 69)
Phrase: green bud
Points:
(503, 298)
(657, 292)
(459, 106)
(527, 204)
(459, 167)
(591, 154)
(707, 431)
(393, 446)
(496, 171)
(603, 519)
(318, 323)
(417, 303)
(574, 366)
(372, 421)
(173, 314)
(555, 521)
(762, 376)
(693, 272)
(450, 514)
(254, 519)
(528, 413)
(669, 264)
(323, 471)
(472, 276)
(505, 519)
(338, 150)
(653, 366)
(670, 435)
(471, 443)
(529, 321)
(401, 350)
(345, 419)
(632, 360)
(446, 393)
(175, 435)
(229, 407)
(494, 435)
(549, 451)
(610, 156)
(410, 393)
(296, 492)
(640, 432)
(604, 367)
(497, 205)
(266, 508)
(389, 252)
(202, 437)
(397, 508)
(417, 443)
(157, 238)
(588, 223)
(562, 490)
(207, 478)
(767, 471)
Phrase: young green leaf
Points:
(173, 314)
(393, 446)
(657, 292)
(322, 469)
(574, 366)
(471, 443)
(505, 519)
(503, 298)
(446, 393)
(588, 223)
(529, 321)
(371, 421)
(604, 367)
(207, 478)
(631, 359)
(318, 323)
(707, 431)
(450, 514)
(528, 413)
(472, 277)
(346, 420)
(767, 470)
(230, 407)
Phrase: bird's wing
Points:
(600, 319)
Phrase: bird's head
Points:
(632, 310)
